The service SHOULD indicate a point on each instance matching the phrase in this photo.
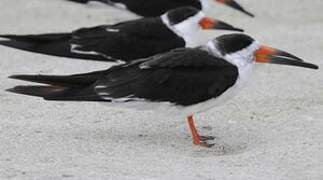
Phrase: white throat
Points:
(186, 29)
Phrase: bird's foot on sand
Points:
(207, 138)
(204, 141)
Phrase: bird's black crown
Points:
(231, 43)
(178, 15)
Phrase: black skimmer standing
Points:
(154, 8)
(123, 41)
(184, 80)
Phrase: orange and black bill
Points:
(267, 54)
(233, 4)
(210, 23)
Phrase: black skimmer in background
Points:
(123, 41)
(152, 8)
(184, 80)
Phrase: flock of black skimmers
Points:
(158, 68)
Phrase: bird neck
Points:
(186, 29)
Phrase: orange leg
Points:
(197, 139)
(195, 135)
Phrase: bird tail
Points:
(55, 44)
(68, 88)
(75, 80)
(42, 38)
(39, 91)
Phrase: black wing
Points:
(127, 41)
(124, 41)
(55, 44)
(182, 76)
(152, 8)
(149, 8)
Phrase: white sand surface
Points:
(272, 131)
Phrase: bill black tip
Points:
(249, 14)
(239, 30)
(17, 77)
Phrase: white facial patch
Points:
(244, 56)
(187, 28)
(240, 58)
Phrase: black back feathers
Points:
(178, 15)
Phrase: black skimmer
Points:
(184, 80)
(123, 41)
(154, 8)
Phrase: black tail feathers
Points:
(39, 91)
(55, 44)
(76, 87)
(57, 93)
(41, 38)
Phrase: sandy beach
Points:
(272, 131)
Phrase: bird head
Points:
(185, 21)
(241, 50)
(233, 4)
